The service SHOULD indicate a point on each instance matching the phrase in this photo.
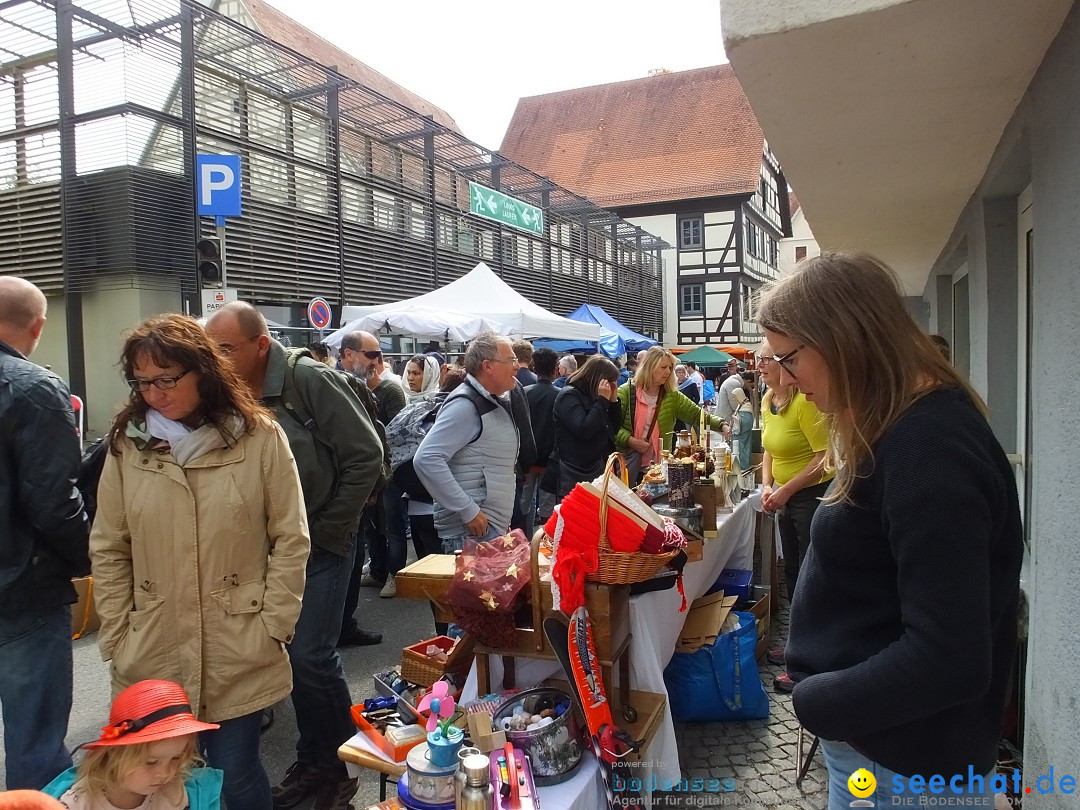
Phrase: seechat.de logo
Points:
(861, 784)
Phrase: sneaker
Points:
(389, 590)
(775, 657)
(335, 795)
(783, 683)
(301, 780)
(368, 581)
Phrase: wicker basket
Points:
(418, 668)
(620, 568)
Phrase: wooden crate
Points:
(608, 605)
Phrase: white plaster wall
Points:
(1040, 145)
(52, 349)
(801, 236)
(107, 316)
(1053, 710)
(663, 226)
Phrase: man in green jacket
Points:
(337, 482)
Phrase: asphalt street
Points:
(401, 621)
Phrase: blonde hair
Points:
(105, 768)
(849, 308)
(647, 367)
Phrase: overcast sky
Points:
(476, 58)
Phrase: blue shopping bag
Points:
(720, 681)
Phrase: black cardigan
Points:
(585, 428)
(903, 625)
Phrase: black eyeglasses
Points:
(372, 355)
(785, 360)
(160, 383)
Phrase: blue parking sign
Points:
(217, 185)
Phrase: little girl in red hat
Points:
(146, 758)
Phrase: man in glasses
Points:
(383, 523)
(360, 354)
(467, 460)
(336, 484)
(43, 544)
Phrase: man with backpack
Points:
(340, 460)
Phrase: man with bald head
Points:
(339, 457)
(43, 544)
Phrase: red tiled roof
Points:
(292, 34)
(672, 136)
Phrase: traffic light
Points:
(209, 256)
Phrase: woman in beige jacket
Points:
(200, 544)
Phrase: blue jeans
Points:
(234, 748)
(533, 499)
(35, 694)
(843, 760)
(320, 694)
(455, 543)
(386, 545)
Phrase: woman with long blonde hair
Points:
(903, 626)
(651, 402)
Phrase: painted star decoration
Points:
(513, 570)
(508, 541)
(467, 576)
(488, 598)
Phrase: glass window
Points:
(690, 233)
(692, 299)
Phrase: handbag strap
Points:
(655, 414)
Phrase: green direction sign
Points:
(491, 204)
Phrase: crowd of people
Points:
(245, 483)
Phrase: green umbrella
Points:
(705, 356)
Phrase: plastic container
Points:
(733, 582)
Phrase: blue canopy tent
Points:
(615, 339)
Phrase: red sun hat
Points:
(149, 711)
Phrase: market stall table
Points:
(583, 791)
(655, 625)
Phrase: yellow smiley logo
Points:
(861, 783)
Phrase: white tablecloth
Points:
(583, 791)
(655, 622)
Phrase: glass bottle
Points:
(683, 448)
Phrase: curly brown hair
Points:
(179, 340)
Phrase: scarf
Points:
(429, 384)
(186, 444)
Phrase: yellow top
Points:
(792, 438)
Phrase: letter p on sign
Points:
(218, 185)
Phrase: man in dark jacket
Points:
(337, 482)
(44, 533)
(535, 500)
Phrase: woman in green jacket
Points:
(651, 402)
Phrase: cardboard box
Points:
(695, 550)
(703, 621)
(84, 618)
(762, 613)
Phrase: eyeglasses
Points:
(229, 349)
(764, 360)
(160, 383)
(372, 355)
(784, 361)
(513, 360)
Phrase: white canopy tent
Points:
(420, 322)
(480, 295)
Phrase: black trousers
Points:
(794, 521)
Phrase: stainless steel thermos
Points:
(477, 794)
